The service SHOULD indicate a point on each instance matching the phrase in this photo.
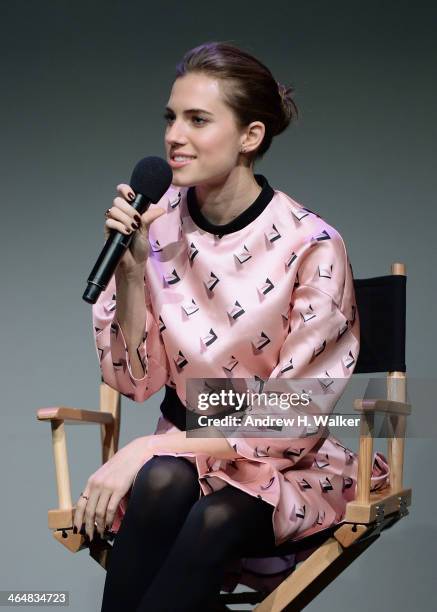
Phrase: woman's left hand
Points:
(108, 485)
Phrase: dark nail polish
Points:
(135, 225)
(131, 196)
(128, 229)
(137, 219)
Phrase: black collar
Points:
(246, 217)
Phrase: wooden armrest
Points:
(389, 406)
(62, 413)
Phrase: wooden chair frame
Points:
(365, 517)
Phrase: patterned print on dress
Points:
(343, 329)
(230, 364)
(317, 350)
(308, 315)
(321, 463)
(297, 512)
(326, 485)
(156, 247)
(172, 278)
(320, 518)
(181, 361)
(192, 251)
(291, 259)
(273, 234)
(190, 307)
(243, 255)
(322, 236)
(175, 201)
(348, 360)
(236, 310)
(311, 212)
(292, 453)
(111, 304)
(287, 366)
(347, 483)
(285, 316)
(325, 380)
(299, 213)
(268, 485)
(211, 282)
(266, 286)
(261, 452)
(304, 484)
(325, 271)
(210, 337)
(259, 342)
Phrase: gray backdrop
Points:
(83, 90)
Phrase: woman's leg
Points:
(164, 490)
(223, 525)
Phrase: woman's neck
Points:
(222, 201)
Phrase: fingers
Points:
(126, 192)
(113, 503)
(124, 218)
(80, 511)
(90, 511)
(119, 226)
(99, 518)
(124, 214)
(98, 511)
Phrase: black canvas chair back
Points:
(381, 308)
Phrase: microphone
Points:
(150, 179)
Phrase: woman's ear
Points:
(253, 137)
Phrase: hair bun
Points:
(289, 107)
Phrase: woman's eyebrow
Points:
(190, 110)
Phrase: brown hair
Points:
(249, 87)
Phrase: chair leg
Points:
(315, 573)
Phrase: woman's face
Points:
(202, 126)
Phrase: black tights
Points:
(170, 551)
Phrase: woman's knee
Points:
(214, 519)
(165, 474)
(229, 519)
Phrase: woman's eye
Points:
(196, 119)
(201, 119)
(168, 117)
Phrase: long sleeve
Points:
(113, 354)
(322, 342)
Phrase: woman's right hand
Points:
(124, 218)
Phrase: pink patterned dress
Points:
(269, 295)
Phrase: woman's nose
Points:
(175, 133)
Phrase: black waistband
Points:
(173, 409)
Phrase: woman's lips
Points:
(180, 164)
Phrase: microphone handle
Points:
(110, 255)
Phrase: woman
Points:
(225, 278)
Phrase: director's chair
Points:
(381, 304)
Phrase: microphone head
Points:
(151, 177)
